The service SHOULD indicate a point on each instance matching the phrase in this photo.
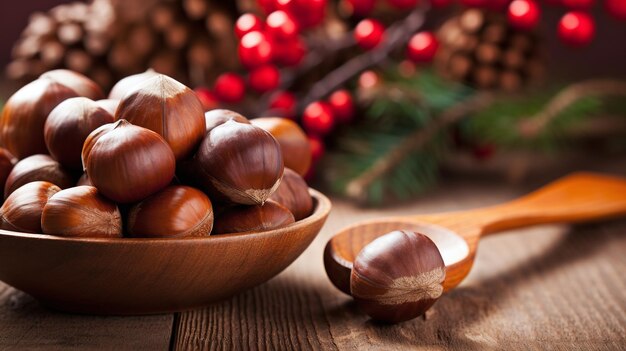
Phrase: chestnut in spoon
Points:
(396, 268)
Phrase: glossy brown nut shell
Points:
(82, 85)
(21, 212)
(130, 83)
(128, 163)
(25, 113)
(239, 219)
(81, 212)
(176, 211)
(169, 108)
(293, 193)
(109, 105)
(239, 163)
(397, 277)
(293, 142)
(38, 168)
(218, 117)
(67, 127)
(7, 162)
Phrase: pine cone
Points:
(480, 48)
(191, 40)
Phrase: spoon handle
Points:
(579, 197)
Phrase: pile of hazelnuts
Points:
(146, 162)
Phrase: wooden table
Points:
(550, 287)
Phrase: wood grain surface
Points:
(545, 288)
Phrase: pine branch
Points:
(535, 124)
(397, 34)
(357, 187)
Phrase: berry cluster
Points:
(274, 45)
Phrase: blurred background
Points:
(535, 95)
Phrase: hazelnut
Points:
(397, 277)
(82, 85)
(292, 139)
(240, 163)
(293, 193)
(239, 219)
(67, 127)
(128, 84)
(176, 211)
(37, 168)
(81, 212)
(21, 211)
(25, 113)
(169, 108)
(128, 163)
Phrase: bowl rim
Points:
(321, 210)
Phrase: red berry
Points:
(369, 33)
(484, 152)
(247, 23)
(207, 98)
(308, 13)
(255, 50)
(342, 105)
(576, 28)
(474, 3)
(368, 80)
(440, 3)
(403, 4)
(617, 8)
(229, 87)
(318, 118)
(579, 4)
(281, 26)
(422, 47)
(265, 78)
(283, 103)
(360, 8)
(268, 6)
(289, 53)
(523, 14)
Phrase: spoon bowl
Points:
(579, 197)
(126, 276)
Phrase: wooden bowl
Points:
(147, 276)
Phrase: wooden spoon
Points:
(579, 197)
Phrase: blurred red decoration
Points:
(576, 29)
(403, 4)
(523, 14)
(497, 4)
(268, 6)
(318, 118)
(342, 105)
(317, 148)
(229, 87)
(360, 8)
(289, 53)
(368, 80)
(422, 47)
(208, 100)
(484, 152)
(255, 50)
(617, 8)
(579, 4)
(265, 78)
(308, 13)
(283, 103)
(474, 3)
(281, 26)
(369, 33)
(440, 3)
(247, 23)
